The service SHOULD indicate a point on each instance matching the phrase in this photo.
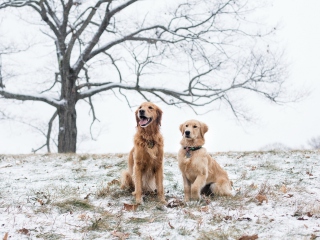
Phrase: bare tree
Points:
(210, 44)
(314, 142)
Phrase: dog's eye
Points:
(186, 125)
(150, 107)
(195, 126)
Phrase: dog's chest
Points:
(190, 169)
(191, 176)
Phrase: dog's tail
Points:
(221, 188)
(126, 180)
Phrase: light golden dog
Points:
(199, 170)
(145, 173)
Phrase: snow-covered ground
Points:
(276, 196)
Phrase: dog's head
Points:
(193, 129)
(148, 113)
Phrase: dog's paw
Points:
(140, 201)
(163, 201)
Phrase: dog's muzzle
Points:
(187, 134)
(144, 121)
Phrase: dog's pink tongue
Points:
(143, 121)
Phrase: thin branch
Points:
(125, 97)
(126, 38)
(35, 150)
(2, 115)
(55, 82)
(115, 65)
(83, 26)
(49, 130)
(144, 96)
(5, 117)
(104, 23)
(94, 118)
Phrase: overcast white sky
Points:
(293, 124)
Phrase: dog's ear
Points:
(203, 129)
(181, 128)
(159, 116)
(137, 119)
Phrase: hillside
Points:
(276, 196)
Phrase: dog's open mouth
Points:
(144, 121)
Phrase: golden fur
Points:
(200, 169)
(145, 161)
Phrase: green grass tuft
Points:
(74, 204)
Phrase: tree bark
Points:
(67, 137)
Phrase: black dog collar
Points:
(188, 149)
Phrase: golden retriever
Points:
(199, 170)
(145, 173)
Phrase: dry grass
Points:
(74, 204)
(50, 236)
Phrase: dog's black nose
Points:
(187, 133)
(141, 111)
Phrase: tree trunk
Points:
(67, 137)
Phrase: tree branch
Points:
(52, 14)
(36, 97)
(43, 13)
(83, 26)
(115, 65)
(55, 82)
(126, 38)
(36, 127)
(84, 57)
(66, 11)
(36, 150)
(89, 85)
(94, 118)
(17, 3)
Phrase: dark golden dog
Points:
(145, 161)
(198, 168)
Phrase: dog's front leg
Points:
(197, 186)
(137, 182)
(159, 184)
(187, 188)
